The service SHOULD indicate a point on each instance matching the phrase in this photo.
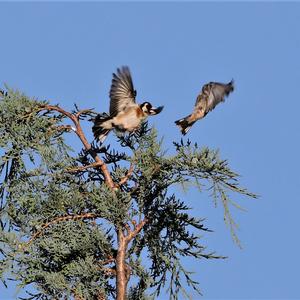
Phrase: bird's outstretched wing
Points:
(216, 93)
(122, 92)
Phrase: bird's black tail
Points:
(229, 87)
(99, 131)
(184, 124)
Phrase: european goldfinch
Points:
(212, 94)
(124, 113)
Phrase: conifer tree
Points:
(99, 223)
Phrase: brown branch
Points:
(82, 168)
(127, 228)
(137, 228)
(122, 269)
(108, 271)
(107, 261)
(127, 176)
(60, 110)
(60, 219)
(83, 111)
(75, 119)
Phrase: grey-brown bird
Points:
(124, 113)
(212, 94)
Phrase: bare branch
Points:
(83, 111)
(75, 119)
(60, 110)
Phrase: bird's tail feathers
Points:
(230, 87)
(184, 124)
(100, 132)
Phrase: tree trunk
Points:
(122, 269)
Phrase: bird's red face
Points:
(148, 109)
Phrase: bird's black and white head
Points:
(148, 109)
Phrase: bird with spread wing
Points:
(211, 95)
(125, 114)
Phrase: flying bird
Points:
(125, 114)
(212, 94)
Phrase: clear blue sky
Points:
(66, 52)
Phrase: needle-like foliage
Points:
(99, 223)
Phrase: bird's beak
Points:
(155, 111)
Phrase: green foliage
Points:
(58, 222)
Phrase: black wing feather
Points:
(217, 93)
(122, 93)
